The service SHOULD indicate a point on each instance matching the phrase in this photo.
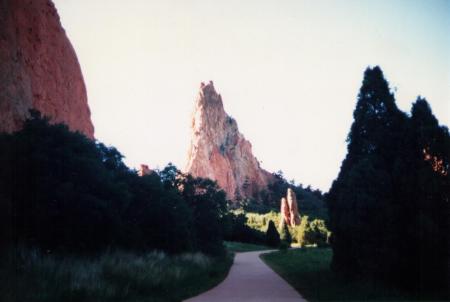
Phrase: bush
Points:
(286, 235)
(284, 246)
(312, 232)
(317, 233)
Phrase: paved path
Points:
(250, 279)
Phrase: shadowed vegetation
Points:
(62, 192)
(30, 275)
(78, 225)
(308, 271)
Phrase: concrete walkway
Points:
(250, 279)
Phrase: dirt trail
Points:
(250, 279)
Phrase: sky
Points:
(288, 71)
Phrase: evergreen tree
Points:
(272, 235)
(428, 200)
(389, 206)
(360, 199)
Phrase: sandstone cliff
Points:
(39, 68)
(220, 152)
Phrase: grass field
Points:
(30, 275)
(308, 271)
(238, 247)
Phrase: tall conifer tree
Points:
(389, 206)
(428, 225)
(360, 198)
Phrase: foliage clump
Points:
(309, 232)
(312, 233)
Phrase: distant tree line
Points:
(310, 201)
(389, 206)
(63, 192)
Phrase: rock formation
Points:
(285, 213)
(144, 170)
(220, 152)
(289, 210)
(39, 68)
(293, 207)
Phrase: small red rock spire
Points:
(144, 170)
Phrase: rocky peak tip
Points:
(220, 152)
(208, 86)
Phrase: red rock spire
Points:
(219, 151)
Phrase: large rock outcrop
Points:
(220, 152)
(39, 68)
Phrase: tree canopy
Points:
(62, 191)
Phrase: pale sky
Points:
(288, 71)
